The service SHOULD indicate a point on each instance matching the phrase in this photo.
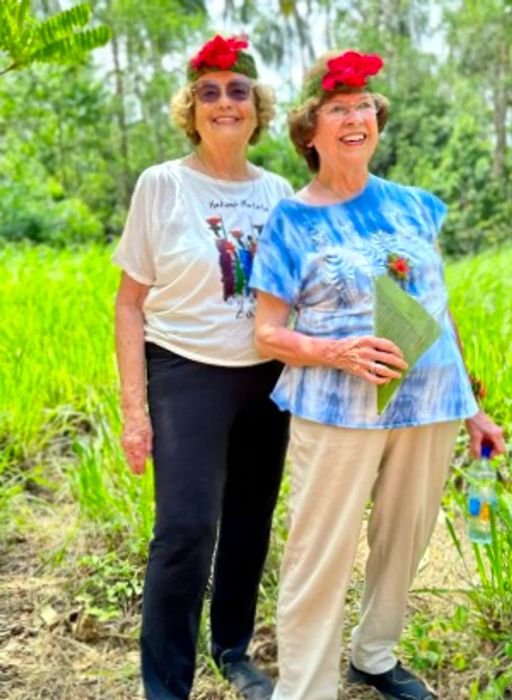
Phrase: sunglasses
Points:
(209, 91)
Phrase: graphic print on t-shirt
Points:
(236, 253)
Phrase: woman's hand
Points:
(367, 357)
(482, 429)
(137, 441)
(364, 356)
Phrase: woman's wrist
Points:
(133, 409)
(327, 352)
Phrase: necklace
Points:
(208, 170)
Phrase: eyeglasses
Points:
(209, 91)
(338, 110)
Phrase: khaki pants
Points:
(334, 473)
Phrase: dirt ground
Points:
(50, 648)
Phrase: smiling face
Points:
(346, 131)
(224, 109)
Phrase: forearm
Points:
(130, 358)
(288, 346)
(300, 350)
(366, 356)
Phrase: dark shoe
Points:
(252, 683)
(396, 684)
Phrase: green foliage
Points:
(58, 129)
(492, 595)
(109, 585)
(92, 129)
(481, 289)
(448, 122)
(104, 487)
(276, 152)
(480, 292)
(428, 642)
(56, 344)
(24, 39)
(32, 205)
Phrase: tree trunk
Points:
(501, 97)
(121, 122)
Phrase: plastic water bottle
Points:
(481, 497)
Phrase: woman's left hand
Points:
(482, 429)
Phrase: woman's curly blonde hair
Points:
(302, 119)
(183, 112)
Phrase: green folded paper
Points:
(401, 319)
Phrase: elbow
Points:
(261, 340)
(260, 346)
(127, 306)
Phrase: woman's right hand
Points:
(137, 441)
(367, 357)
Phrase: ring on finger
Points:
(374, 367)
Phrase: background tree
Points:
(91, 128)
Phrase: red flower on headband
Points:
(219, 52)
(352, 69)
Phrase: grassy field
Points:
(75, 525)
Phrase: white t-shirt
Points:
(192, 238)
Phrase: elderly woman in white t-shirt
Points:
(184, 325)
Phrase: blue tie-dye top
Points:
(321, 260)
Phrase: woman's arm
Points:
(480, 427)
(364, 356)
(137, 435)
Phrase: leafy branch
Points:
(60, 38)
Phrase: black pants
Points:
(219, 449)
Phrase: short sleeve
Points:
(275, 270)
(435, 211)
(134, 253)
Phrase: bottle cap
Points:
(474, 507)
(486, 450)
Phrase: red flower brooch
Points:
(398, 267)
(352, 69)
(219, 53)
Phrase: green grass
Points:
(58, 383)
(59, 394)
(56, 344)
(481, 300)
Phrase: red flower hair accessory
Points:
(352, 69)
(222, 54)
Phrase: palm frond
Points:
(60, 38)
(63, 23)
(73, 46)
(23, 8)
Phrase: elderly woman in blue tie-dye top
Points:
(318, 255)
